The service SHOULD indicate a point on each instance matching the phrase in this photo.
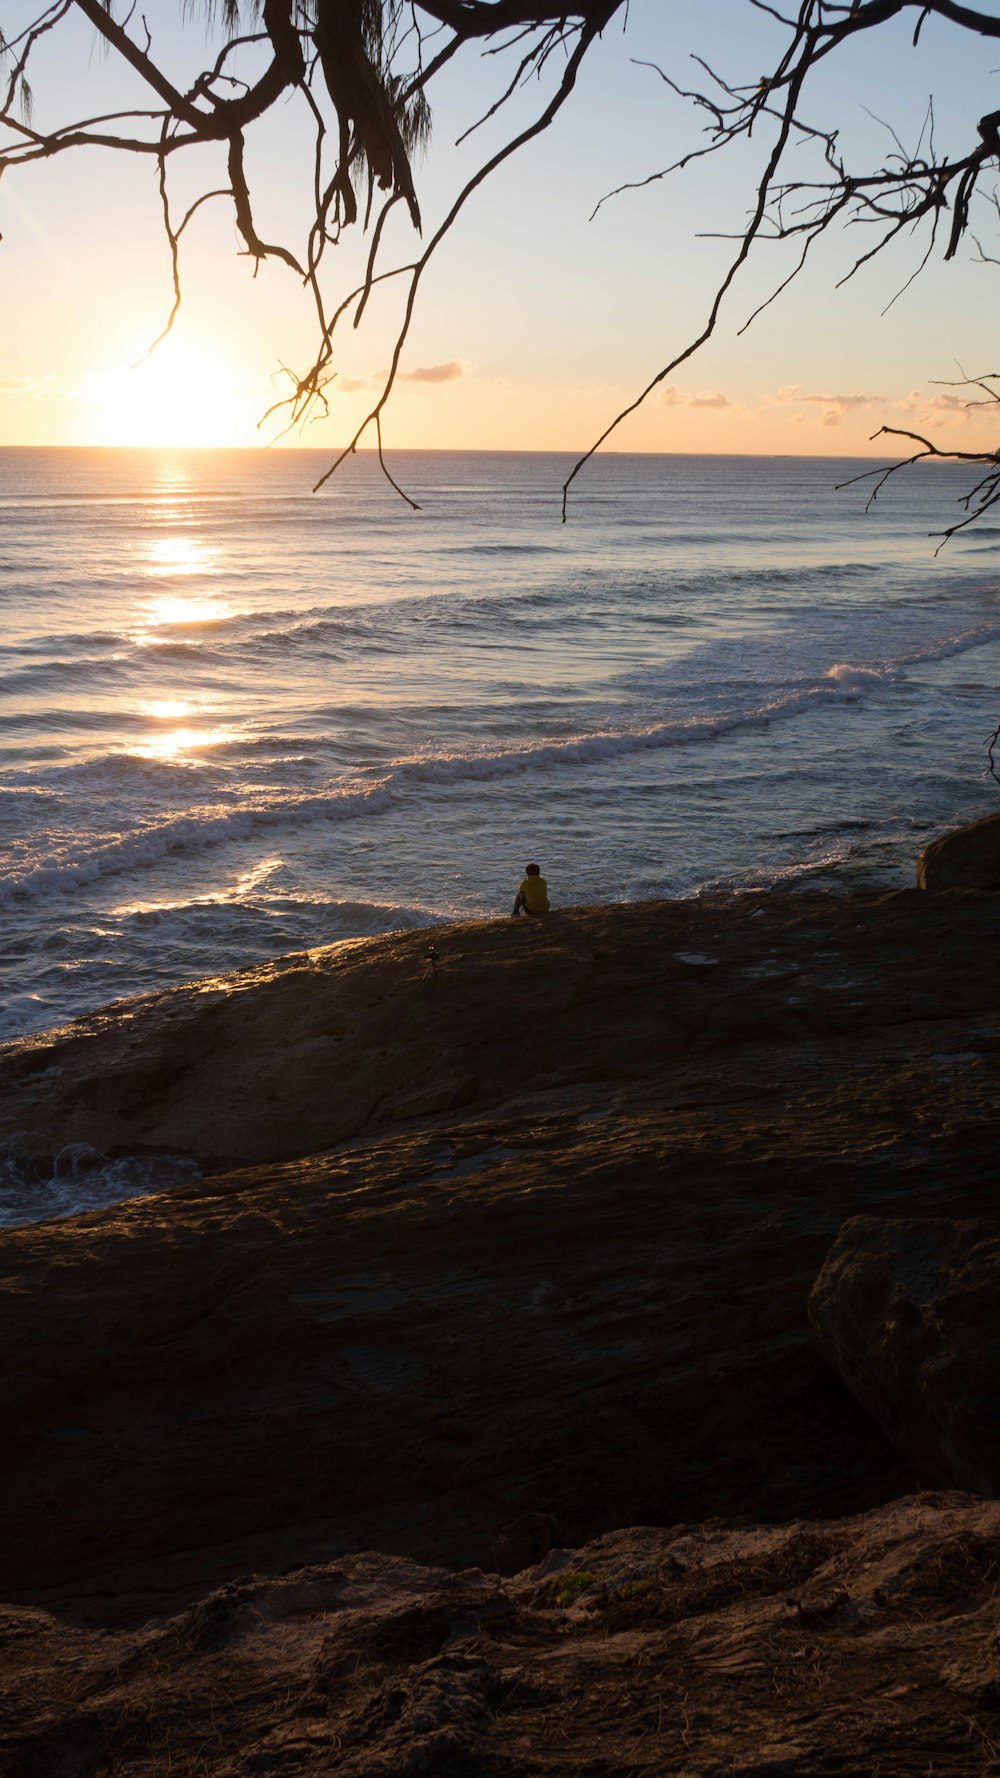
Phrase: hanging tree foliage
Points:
(364, 72)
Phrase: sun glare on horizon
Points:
(186, 394)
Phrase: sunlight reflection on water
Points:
(235, 889)
(167, 710)
(178, 555)
(178, 609)
(175, 742)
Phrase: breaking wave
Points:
(844, 683)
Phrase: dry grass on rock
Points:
(865, 1646)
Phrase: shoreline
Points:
(882, 867)
(247, 1018)
(64, 1150)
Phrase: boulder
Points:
(967, 858)
(908, 1314)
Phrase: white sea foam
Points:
(860, 679)
(214, 826)
(36, 1185)
(148, 845)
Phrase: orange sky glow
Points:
(537, 324)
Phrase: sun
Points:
(187, 393)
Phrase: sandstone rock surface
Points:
(862, 1647)
(966, 858)
(293, 1057)
(573, 1301)
(908, 1313)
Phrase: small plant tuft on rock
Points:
(565, 1590)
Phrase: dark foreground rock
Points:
(863, 1647)
(966, 858)
(908, 1313)
(572, 1301)
(309, 1051)
(460, 1348)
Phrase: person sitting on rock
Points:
(533, 895)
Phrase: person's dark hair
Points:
(532, 870)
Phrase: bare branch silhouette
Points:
(909, 189)
(361, 71)
(976, 500)
(345, 62)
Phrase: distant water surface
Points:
(239, 719)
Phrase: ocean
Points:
(239, 719)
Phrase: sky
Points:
(537, 321)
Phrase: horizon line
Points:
(447, 451)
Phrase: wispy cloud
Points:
(961, 407)
(914, 406)
(26, 386)
(424, 373)
(434, 373)
(674, 397)
(835, 406)
(353, 385)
